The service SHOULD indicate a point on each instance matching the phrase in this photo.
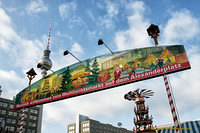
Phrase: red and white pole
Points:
(22, 121)
(30, 74)
(154, 31)
(171, 103)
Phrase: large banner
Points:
(103, 72)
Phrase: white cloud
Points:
(136, 36)
(76, 48)
(67, 12)
(105, 104)
(19, 54)
(67, 9)
(182, 26)
(6, 32)
(12, 78)
(112, 9)
(36, 7)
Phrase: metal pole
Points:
(108, 48)
(74, 57)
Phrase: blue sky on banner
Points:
(77, 26)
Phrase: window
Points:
(14, 113)
(71, 128)
(34, 111)
(1, 104)
(31, 131)
(10, 128)
(86, 125)
(86, 129)
(13, 121)
(34, 124)
(5, 105)
(2, 120)
(11, 106)
(3, 112)
(8, 120)
(32, 117)
(10, 113)
(30, 124)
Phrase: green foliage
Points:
(67, 82)
(93, 77)
(18, 99)
(87, 68)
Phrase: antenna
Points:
(49, 34)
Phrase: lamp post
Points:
(67, 52)
(30, 74)
(154, 31)
(100, 42)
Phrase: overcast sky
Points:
(77, 26)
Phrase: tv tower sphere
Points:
(45, 62)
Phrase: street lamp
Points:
(67, 52)
(153, 31)
(100, 42)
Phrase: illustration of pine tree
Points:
(87, 68)
(67, 82)
(95, 73)
(18, 99)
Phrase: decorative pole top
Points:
(31, 74)
(153, 31)
(138, 95)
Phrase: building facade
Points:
(93, 126)
(10, 119)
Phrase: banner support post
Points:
(153, 31)
(30, 74)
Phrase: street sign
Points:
(103, 72)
